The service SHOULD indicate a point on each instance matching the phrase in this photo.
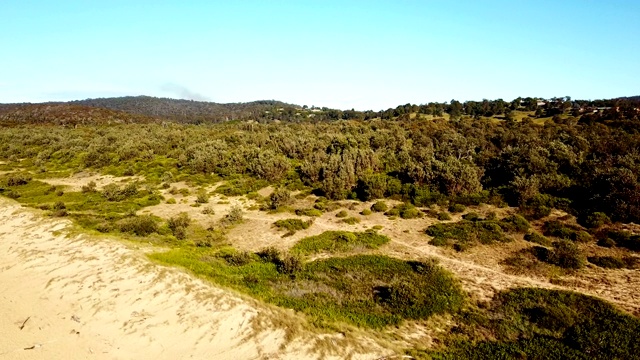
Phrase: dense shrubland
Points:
(582, 168)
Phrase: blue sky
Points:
(342, 54)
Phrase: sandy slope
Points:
(82, 298)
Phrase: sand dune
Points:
(83, 298)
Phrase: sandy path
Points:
(82, 298)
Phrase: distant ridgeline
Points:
(143, 109)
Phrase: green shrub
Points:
(202, 197)
(208, 210)
(611, 262)
(465, 233)
(379, 206)
(405, 211)
(472, 216)
(597, 220)
(536, 238)
(410, 212)
(59, 205)
(534, 323)
(308, 212)
(234, 258)
(339, 241)
(443, 216)
(279, 197)
(565, 231)
(171, 201)
(138, 225)
(456, 208)
(351, 220)
(565, 254)
(292, 225)
(606, 242)
(515, 223)
(342, 214)
(234, 216)
(18, 179)
(625, 239)
(90, 187)
(178, 225)
(13, 194)
(289, 265)
(365, 212)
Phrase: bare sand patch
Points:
(81, 297)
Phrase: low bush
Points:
(308, 212)
(351, 220)
(90, 187)
(234, 216)
(279, 197)
(202, 197)
(342, 214)
(625, 239)
(597, 220)
(178, 225)
(456, 208)
(292, 225)
(443, 216)
(515, 223)
(536, 238)
(564, 254)
(405, 211)
(365, 212)
(379, 206)
(607, 242)
(18, 179)
(339, 241)
(610, 262)
(465, 233)
(533, 323)
(139, 225)
(564, 231)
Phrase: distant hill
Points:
(66, 114)
(185, 110)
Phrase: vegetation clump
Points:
(292, 225)
(564, 254)
(405, 211)
(379, 206)
(178, 225)
(138, 225)
(536, 323)
(564, 231)
(610, 262)
(339, 242)
(467, 233)
(308, 212)
(536, 238)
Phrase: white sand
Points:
(84, 298)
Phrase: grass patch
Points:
(531, 323)
(405, 211)
(351, 220)
(610, 262)
(292, 225)
(339, 241)
(366, 290)
(465, 233)
(308, 212)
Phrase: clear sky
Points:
(342, 54)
